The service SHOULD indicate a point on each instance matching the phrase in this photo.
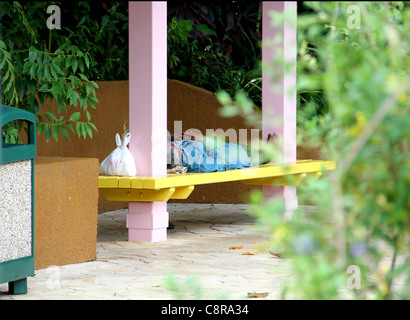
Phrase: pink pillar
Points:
(148, 221)
(279, 106)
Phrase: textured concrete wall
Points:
(109, 117)
(66, 199)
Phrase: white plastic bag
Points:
(120, 162)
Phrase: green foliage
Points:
(188, 289)
(240, 105)
(362, 215)
(38, 65)
(100, 29)
(216, 46)
(10, 134)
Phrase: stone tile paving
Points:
(196, 256)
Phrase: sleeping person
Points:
(209, 155)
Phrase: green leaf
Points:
(87, 60)
(89, 89)
(40, 71)
(68, 61)
(57, 69)
(228, 111)
(39, 57)
(91, 102)
(75, 116)
(70, 126)
(6, 76)
(32, 54)
(89, 131)
(78, 128)
(56, 132)
(40, 127)
(21, 88)
(92, 125)
(205, 30)
(95, 84)
(104, 22)
(223, 97)
(82, 76)
(74, 64)
(83, 100)
(47, 74)
(73, 96)
(26, 66)
(3, 62)
(53, 72)
(81, 64)
(64, 131)
(60, 103)
(74, 80)
(47, 131)
(33, 70)
(83, 130)
(9, 84)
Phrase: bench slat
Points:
(190, 179)
(180, 186)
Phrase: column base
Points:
(287, 194)
(144, 235)
(147, 221)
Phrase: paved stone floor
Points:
(196, 262)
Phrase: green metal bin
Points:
(17, 203)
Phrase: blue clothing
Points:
(200, 158)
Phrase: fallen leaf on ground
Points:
(257, 294)
(236, 248)
(277, 254)
(247, 253)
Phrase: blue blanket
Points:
(199, 157)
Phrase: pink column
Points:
(148, 221)
(279, 106)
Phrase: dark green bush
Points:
(216, 45)
(37, 63)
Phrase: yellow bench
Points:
(180, 186)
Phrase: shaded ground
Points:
(214, 251)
